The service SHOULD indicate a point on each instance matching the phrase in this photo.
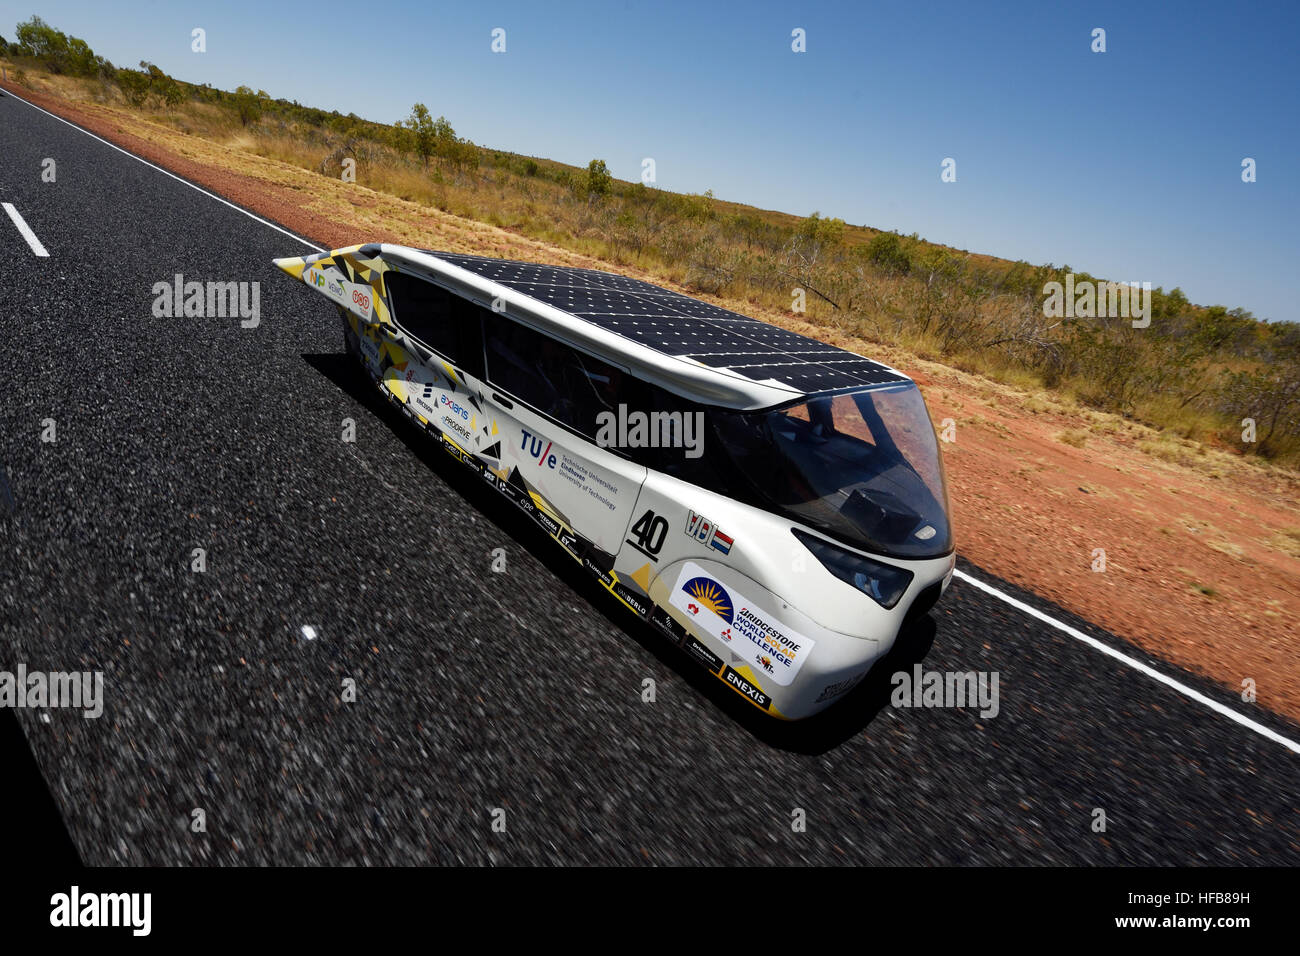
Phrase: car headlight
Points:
(883, 583)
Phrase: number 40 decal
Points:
(648, 534)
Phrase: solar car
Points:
(773, 505)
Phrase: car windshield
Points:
(862, 466)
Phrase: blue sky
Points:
(1125, 164)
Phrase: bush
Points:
(885, 251)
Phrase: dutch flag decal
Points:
(722, 542)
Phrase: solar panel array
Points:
(680, 326)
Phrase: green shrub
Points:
(885, 251)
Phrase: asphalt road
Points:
(177, 433)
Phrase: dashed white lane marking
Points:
(25, 229)
(165, 172)
(1137, 665)
(1078, 635)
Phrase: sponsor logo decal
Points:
(538, 449)
(456, 408)
(572, 543)
(355, 296)
(636, 601)
(587, 480)
(457, 427)
(707, 594)
(752, 633)
(668, 625)
(369, 347)
(839, 687)
(746, 688)
(516, 495)
(707, 533)
(459, 452)
(596, 569)
(705, 656)
(546, 521)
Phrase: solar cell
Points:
(683, 327)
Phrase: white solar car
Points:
(773, 505)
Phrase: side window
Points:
(688, 448)
(468, 319)
(559, 381)
(426, 311)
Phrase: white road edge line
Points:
(1137, 665)
(26, 230)
(1092, 642)
(165, 172)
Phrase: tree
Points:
(442, 131)
(425, 131)
(81, 59)
(248, 104)
(38, 39)
(599, 180)
(173, 93)
(134, 86)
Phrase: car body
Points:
(773, 505)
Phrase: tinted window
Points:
(426, 312)
(571, 387)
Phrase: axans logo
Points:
(458, 409)
(539, 449)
